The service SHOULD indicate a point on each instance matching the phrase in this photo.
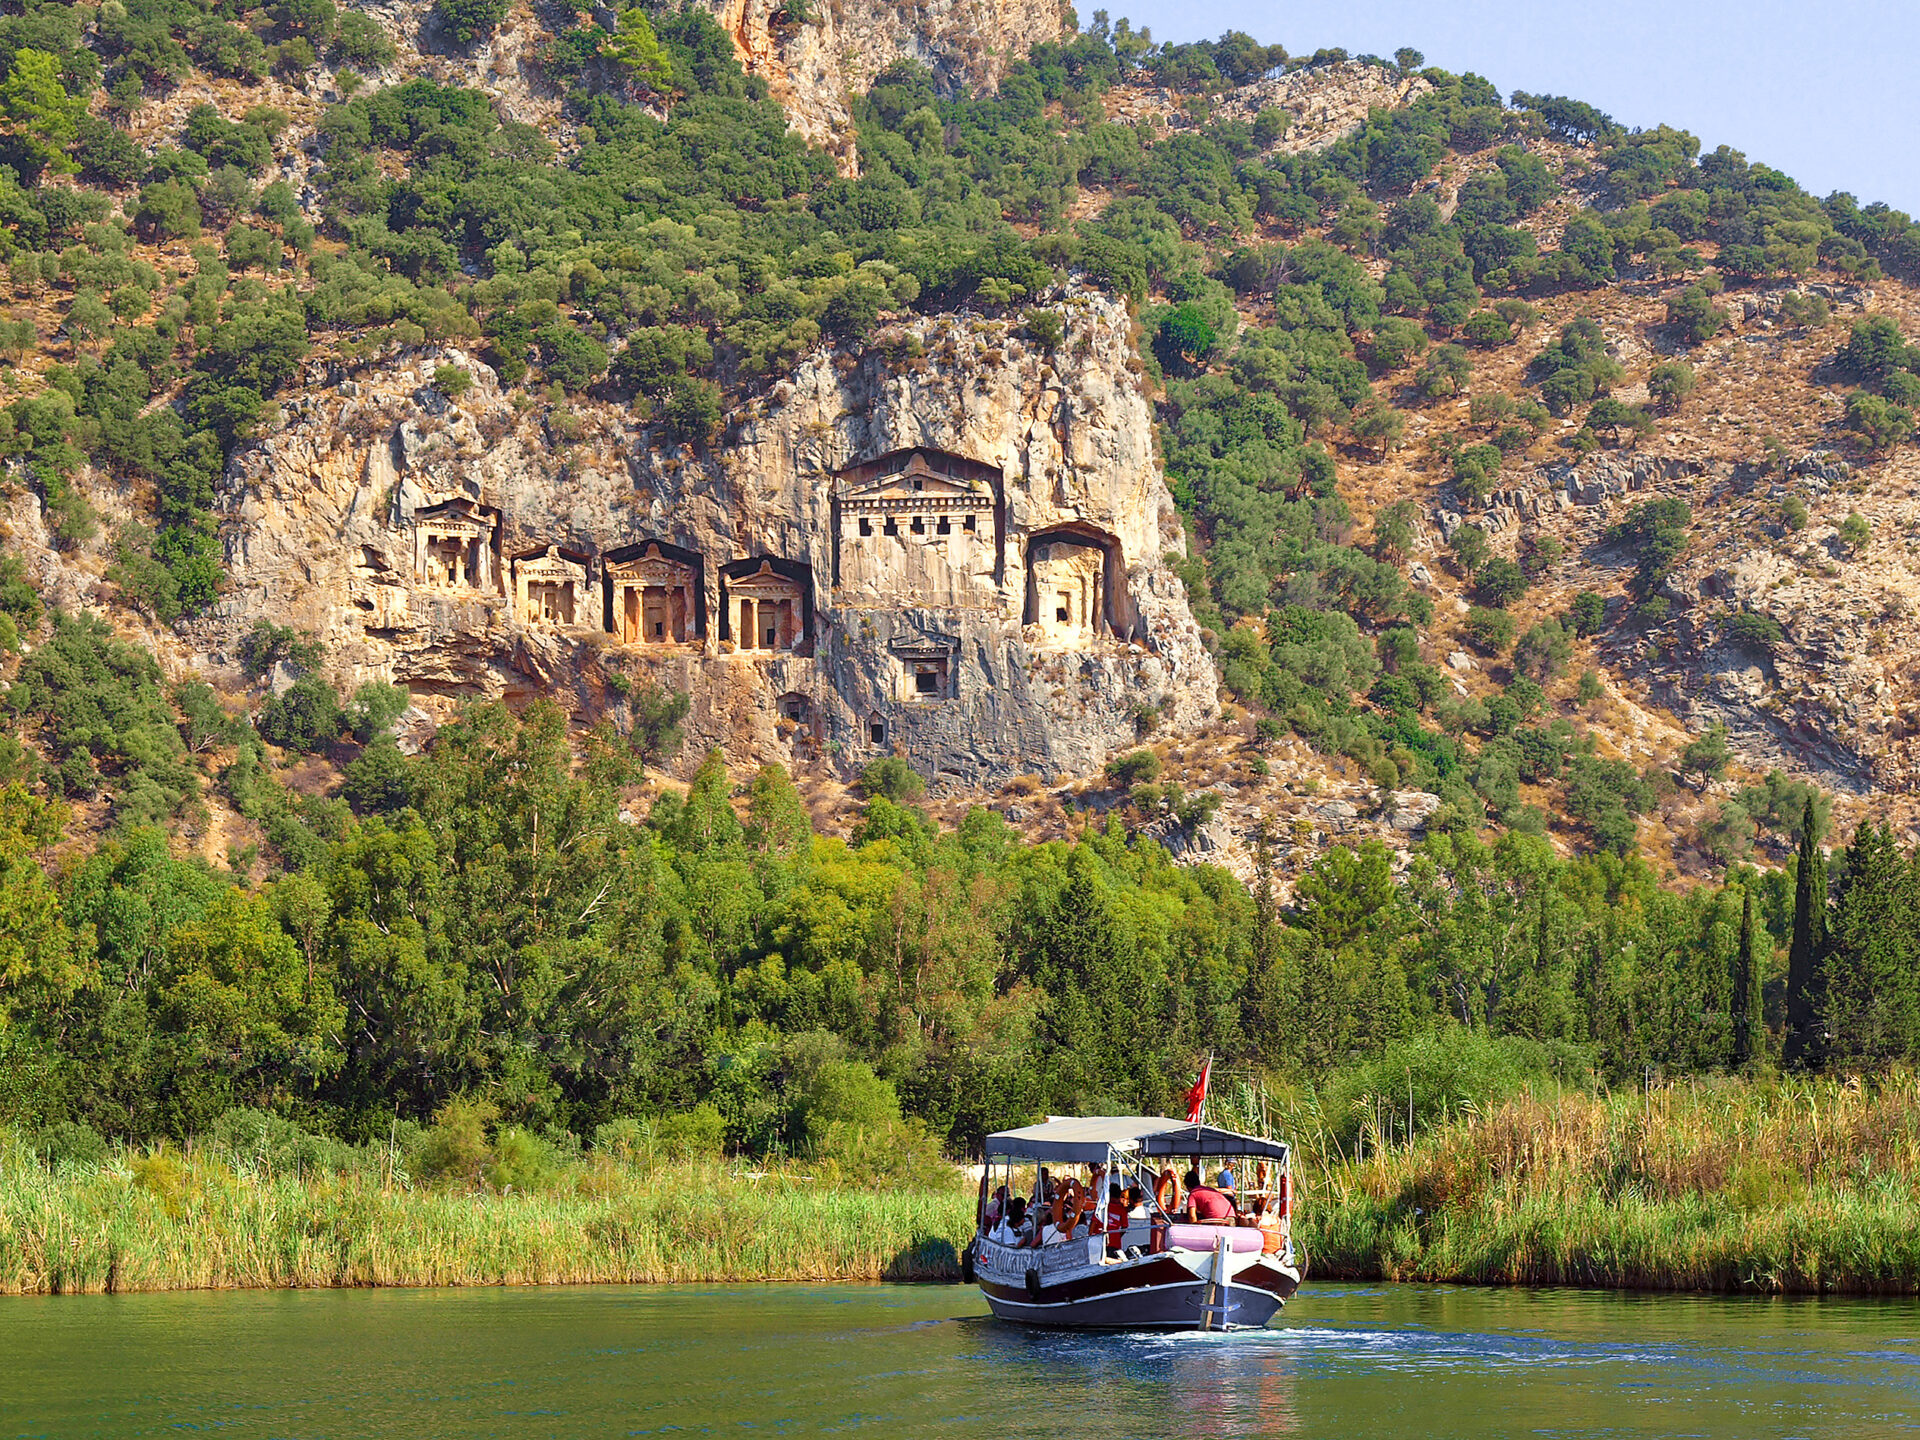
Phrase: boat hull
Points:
(1158, 1293)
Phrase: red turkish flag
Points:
(1197, 1096)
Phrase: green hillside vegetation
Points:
(678, 264)
(478, 926)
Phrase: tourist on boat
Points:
(1117, 1214)
(1224, 1181)
(1013, 1230)
(1266, 1215)
(996, 1207)
(1206, 1205)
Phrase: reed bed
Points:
(1778, 1187)
(1771, 1187)
(198, 1224)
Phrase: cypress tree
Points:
(1749, 1027)
(1869, 1004)
(1809, 939)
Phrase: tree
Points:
(1379, 425)
(1470, 549)
(1707, 755)
(892, 778)
(1490, 631)
(1870, 1005)
(1879, 423)
(658, 715)
(1669, 383)
(777, 823)
(1804, 995)
(1695, 315)
(1393, 529)
(42, 118)
(471, 20)
(1751, 629)
(1543, 651)
(1499, 582)
(1407, 59)
(636, 50)
(1185, 338)
(1749, 1018)
(374, 709)
(1855, 533)
(304, 716)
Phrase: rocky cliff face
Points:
(951, 548)
(813, 68)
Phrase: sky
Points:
(1822, 90)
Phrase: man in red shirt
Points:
(1206, 1205)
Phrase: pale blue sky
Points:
(1822, 91)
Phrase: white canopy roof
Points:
(1086, 1139)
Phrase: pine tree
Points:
(1749, 1024)
(1809, 940)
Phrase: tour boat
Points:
(1168, 1274)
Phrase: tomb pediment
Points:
(456, 517)
(915, 484)
(910, 648)
(650, 567)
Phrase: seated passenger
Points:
(996, 1207)
(1013, 1230)
(1267, 1216)
(1206, 1205)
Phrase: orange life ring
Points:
(1165, 1191)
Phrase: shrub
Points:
(452, 381)
(1588, 613)
(892, 778)
(1500, 582)
(1543, 651)
(454, 1150)
(1491, 631)
(1752, 629)
(69, 1143)
(361, 41)
(1136, 767)
(696, 1134)
(470, 20)
(304, 716)
(1855, 533)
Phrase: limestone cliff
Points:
(812, 67)
(957, 556)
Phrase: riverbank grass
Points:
(196, 1223)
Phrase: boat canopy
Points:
(1086, 1140)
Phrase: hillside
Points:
(284, 281)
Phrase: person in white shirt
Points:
(1013, 1230)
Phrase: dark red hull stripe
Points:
(1115, 1279)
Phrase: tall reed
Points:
(1782, 1187)
(195, 1223)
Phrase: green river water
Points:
(1342, 1360)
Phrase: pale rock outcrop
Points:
(323, 523)
(814, 68)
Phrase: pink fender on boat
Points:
(1240, 1239)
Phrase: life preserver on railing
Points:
(1286, 1195)
(1166, 1190)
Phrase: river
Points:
(1341, 1361)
